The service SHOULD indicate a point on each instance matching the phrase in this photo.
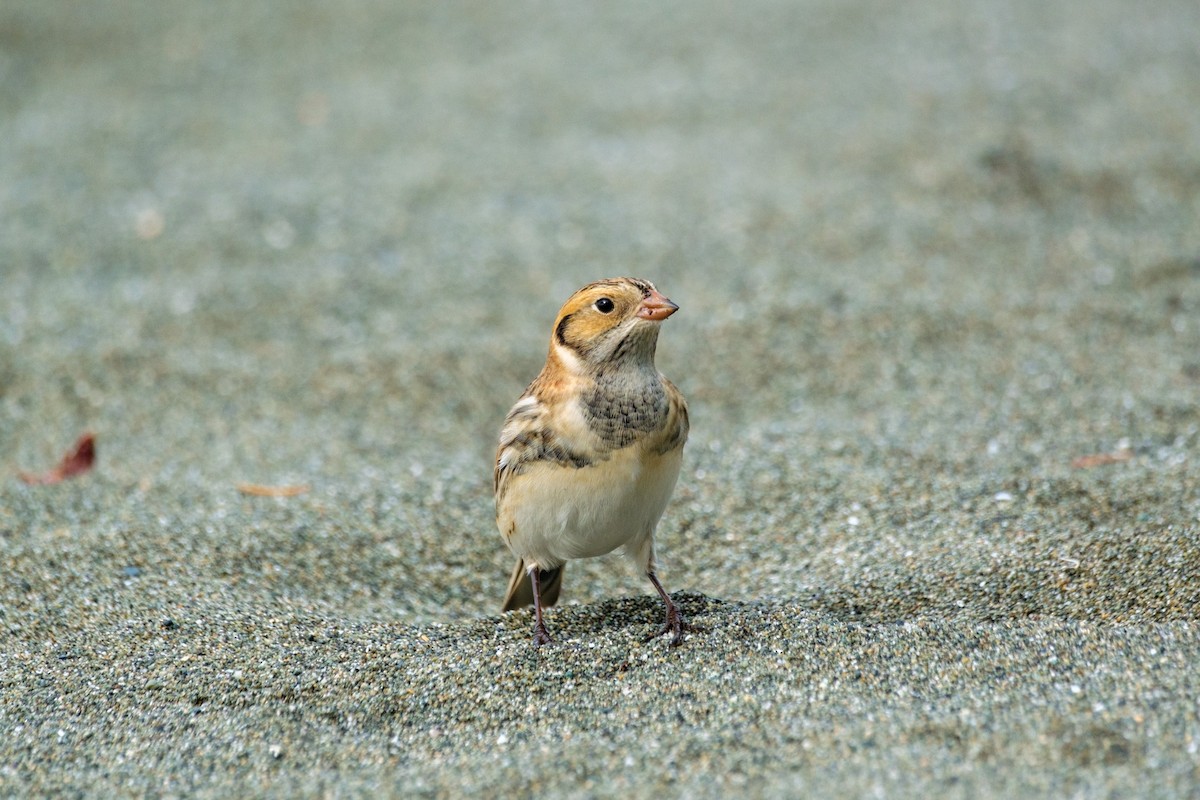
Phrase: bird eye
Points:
(604, 305)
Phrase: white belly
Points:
(558, 513)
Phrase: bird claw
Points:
(675, 625)
(541, 636)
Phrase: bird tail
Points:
(520, 587)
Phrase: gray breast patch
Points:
(621, 411)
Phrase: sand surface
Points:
(928, 255)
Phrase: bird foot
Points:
(675, 625)
(541, 636)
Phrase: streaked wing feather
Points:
(527, 438)
(675, 432)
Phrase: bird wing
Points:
(529, 437)
(675, 431)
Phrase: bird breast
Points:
(558, 513)
(621, 411)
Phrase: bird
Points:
(589, 455)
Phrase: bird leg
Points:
(675, 624)
(541, 636)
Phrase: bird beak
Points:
(656, 307)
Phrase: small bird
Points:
(590, 453)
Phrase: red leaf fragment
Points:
(1100, 459)
(76, 462)
(258, 490)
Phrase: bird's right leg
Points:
(541, 636)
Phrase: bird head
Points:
(610, 324)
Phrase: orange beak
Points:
(656, 307)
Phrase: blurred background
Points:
(927, 254)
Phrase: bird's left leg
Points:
(675, 624)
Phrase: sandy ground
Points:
(928, 255)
